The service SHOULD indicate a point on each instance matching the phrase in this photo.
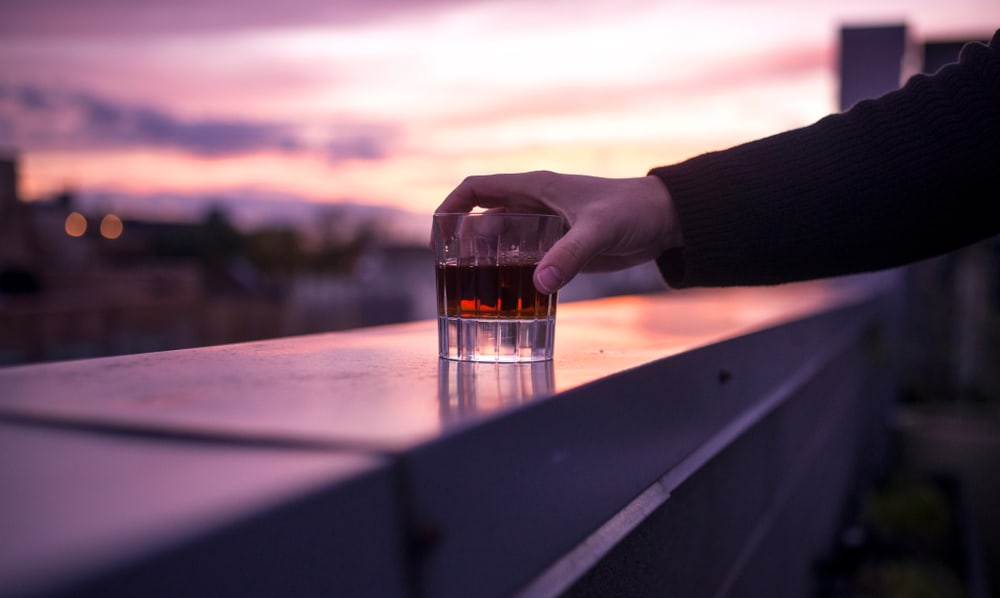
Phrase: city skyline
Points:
(394, 103)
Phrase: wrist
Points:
(672, 235)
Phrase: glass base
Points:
(495, 340)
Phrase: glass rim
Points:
(541, 215)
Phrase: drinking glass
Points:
(488, 307)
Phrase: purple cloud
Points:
(364, 143)
(45, 119)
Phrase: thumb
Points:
(564, 260)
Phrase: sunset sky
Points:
(394, 102)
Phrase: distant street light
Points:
(76, 224)
(111, 226)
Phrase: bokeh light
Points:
(111, 226)
(76, 224)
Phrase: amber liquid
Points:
(494, 291)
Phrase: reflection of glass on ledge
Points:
(466, 387)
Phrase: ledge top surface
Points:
(384, 388)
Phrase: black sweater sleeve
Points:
(893, 180)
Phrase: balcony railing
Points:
(703, 442)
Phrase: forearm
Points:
(889, 182)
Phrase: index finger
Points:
(514, 192)
(470, 193)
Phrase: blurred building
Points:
(61, 299)
(76, 285)
(872, 61)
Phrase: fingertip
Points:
(549, 279)
(460, 199)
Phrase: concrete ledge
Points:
(428, 478)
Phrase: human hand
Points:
(613, 223)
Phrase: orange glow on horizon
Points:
(412, 181)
